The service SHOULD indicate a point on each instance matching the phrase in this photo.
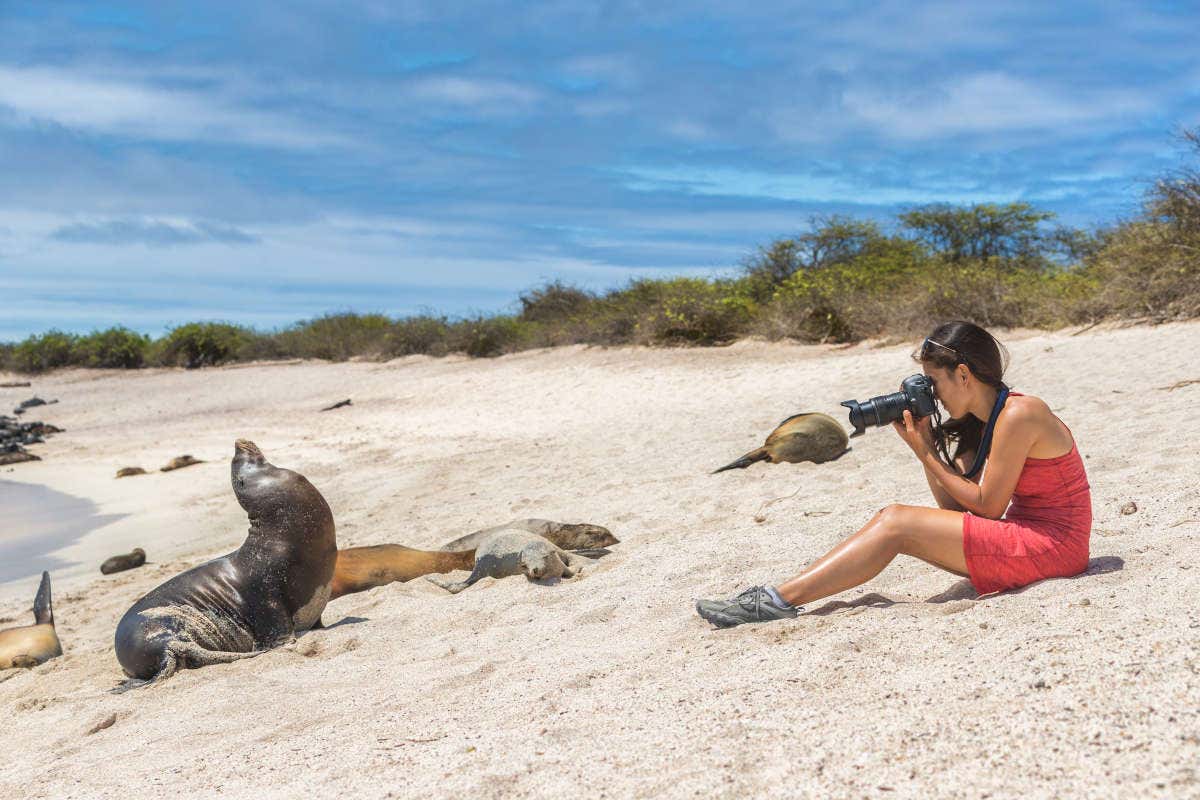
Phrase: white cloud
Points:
(986, 102)
(139, 111)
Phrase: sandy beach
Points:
(609, 685)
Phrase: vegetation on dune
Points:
(839, 280)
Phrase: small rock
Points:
(1129, 508)
(1085, 602)
(1041, 684)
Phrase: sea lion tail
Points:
(761, 454)
(43, 611)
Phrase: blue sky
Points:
(266, 163)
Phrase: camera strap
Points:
(985, 443)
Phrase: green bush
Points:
(202, 344)
(114, 348)
(484, 337)
(337, 337)
(418, 335)
(39, 353)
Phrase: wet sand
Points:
(609, 685)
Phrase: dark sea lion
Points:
(568, 536)
(514, 551)
(33, 644)
(362, 568)
(804, 437)
(124, 561)
(242, 604)
(179, 462)
(125, 472)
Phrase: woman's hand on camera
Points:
(916, 434)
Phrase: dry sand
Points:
(609, 685)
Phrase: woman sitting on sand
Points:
(1033, 462)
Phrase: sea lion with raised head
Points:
(34, 644)
(513, 551)
(803, 437)
(567, 535)
(244, 603)
(124, 561)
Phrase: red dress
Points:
(1044, 533)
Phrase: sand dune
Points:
(609, 685)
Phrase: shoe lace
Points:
(752, 599)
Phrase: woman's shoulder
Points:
(1028, 407)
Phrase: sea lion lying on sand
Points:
(362, 568)
(568, 536)
(179, 462)
(804, 437)
(124, 561)
(33, 644)
(125, 472)
(255, 598)
(512, 551)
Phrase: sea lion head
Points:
(276, 499)
(539, 563)
(583, 536)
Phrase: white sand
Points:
(609, 685)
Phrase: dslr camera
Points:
(915, 395)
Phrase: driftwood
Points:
(345, 402)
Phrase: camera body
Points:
(915, 395)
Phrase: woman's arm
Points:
(1016, 430)
(944, 500)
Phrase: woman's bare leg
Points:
(933, 535)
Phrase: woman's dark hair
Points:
(960, 342)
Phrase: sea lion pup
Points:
(255, 598)
(362, 568)
(33, 644)
(124, 561)
(803, 437)
(125, 472)
(512, 551)
(568, 536)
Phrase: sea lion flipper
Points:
(759, 454)
(453, 587)
(43, 610)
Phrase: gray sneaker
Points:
(752, 605)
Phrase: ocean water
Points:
(35, 522)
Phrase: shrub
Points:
(202, 344)
(116, 348)
(484, 337)
(422, 334)
(39, 353)
(337, 337)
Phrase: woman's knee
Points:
(893, 521)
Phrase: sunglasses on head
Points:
(929, 349)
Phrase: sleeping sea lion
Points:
(804, 437)
(125, 472)
(179, 462)
(244, 603)
(124, 561)
(512, 551)
(33, 644)
(568, 536)
(362, 568)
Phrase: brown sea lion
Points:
(124, 561)
(179, 462)
(125, 472)
(514, 552)
(362, 568)
(803, 437)
(568, 536)
(33, 644)
(242, 604)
